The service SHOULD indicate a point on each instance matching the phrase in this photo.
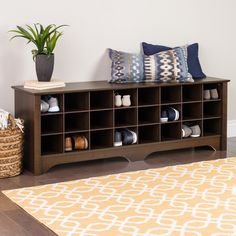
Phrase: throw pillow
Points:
(167, 66)
(126, 67)
(194, 65)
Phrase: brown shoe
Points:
(80, 142)
(68, 144)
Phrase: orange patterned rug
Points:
(188, 200)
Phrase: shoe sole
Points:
(117, 144)
(134, 137)
(85, 143)
(54, 109)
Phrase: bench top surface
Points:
(104, 85)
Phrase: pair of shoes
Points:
(122, 101)
(78, 142)
(191, 131)
(49, 104)
(211, 94)
(169, 114)
(125, 137)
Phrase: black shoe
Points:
(128, 137)
(118, 139)
(164, 117)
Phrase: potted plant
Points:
(45, 40)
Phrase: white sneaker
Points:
(207, 94)
(118, 101)
(196, 131)
(44, 106)
(214, 94)
(53, 105)
(135, 138)
(126, 102)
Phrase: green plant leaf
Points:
(19, 36)
(54, 39)
(44, 38)
(32, 31)
(41, 29)
(36, 28)
(26, 33)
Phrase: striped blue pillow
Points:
(126, 67)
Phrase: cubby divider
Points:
(171, 131)
(192, 111)
(51, 144)
(171, 94)
(101, 139)
(51, 124)
(125, 117)
(148, 115)
(101, 99)
(76, 122)
(149, 133)
(101, 119)
(76, 101)
(212, 109)
(192, 93)
(148, 96)
(212, 127)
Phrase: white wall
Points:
(98, 24)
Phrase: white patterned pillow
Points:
(168, 66)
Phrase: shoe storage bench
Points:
(88, 109)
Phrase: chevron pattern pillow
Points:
(168, 66)
(193, 60)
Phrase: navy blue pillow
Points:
(194, 65)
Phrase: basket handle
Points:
(12, 122)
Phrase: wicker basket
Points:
(11, 149)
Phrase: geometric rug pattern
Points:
(183, 200)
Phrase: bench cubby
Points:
(149, 133)
(76, 102)
(76, 122)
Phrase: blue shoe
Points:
(118, 139)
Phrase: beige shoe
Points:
(214, 94)
(118, 101)
(207, 95)
(126, 101)
(68, 144)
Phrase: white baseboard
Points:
(231, 128)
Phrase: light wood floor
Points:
(15, 222)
